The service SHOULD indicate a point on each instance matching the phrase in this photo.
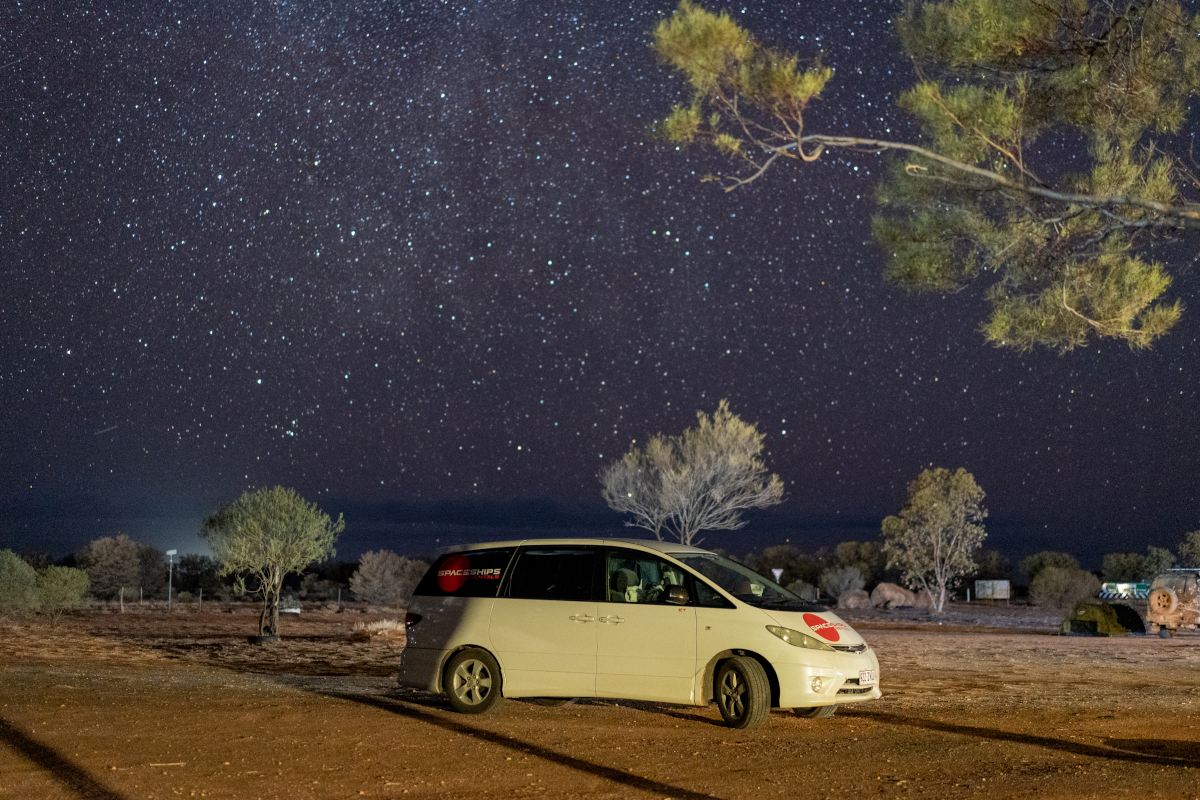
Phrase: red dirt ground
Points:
(146, 705)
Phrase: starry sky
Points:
(425, 262)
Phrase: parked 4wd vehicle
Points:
(639, 620)
(1174, 601)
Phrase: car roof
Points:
(652, 545)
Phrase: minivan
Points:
(552, 619)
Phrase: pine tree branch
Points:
(1170, 216)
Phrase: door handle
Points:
(581, 618)
(615, 620)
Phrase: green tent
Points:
(1097, 618)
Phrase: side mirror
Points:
(677, 596)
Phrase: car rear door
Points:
(543, 627)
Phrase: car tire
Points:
(1162, 600)
(1165, 633)
(816, 712)
(742, 691)
(472, 681)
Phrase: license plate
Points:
(866, 677)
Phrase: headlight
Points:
(798, 639)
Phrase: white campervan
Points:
(639, 620)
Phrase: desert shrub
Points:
(992, 565)
(804, 589)
(379, 625)
(1062, 587)
(1032, 565)
(1189, 549)
(1123, 567)
(385, 578)
(61, 589)
(867, 556)
(113, 563)
(314, 587)
(184, 597)
(796, 565)
(836, 580)
(18, 584)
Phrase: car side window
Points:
(632, 577)
(553, 573)
(465, 574)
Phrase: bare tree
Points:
(703, 479)
(385, 578)
(937, 533)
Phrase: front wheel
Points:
(816, 712)
(743, 692)
(472, 681)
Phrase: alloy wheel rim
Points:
(472, 682)
(733, 694)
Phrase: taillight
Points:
(411, 619)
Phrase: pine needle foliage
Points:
(1002, 89)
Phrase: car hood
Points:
(824, 626)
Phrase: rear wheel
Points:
(816, 712)
(472, 681)
(743, 692)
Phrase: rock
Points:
(854, 598)
(889, 595)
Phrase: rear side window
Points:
(553, 573)
(473, 574)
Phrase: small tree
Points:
(835, 581)
(152, 570)
(18, 584)
(939, 529)
(1032, 565)
(1062, 587)
(113, 565)
(385, 578)
(700, 480)
(199, 574)
(1189, 549)
(1123, 567)
(992, 565)
(1158, 559)
(61, 589)
(263, 536)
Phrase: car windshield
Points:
(745, 584)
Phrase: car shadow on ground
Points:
(61, 768)
(430, 708)
(1168, 753)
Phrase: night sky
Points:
(425, 263)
